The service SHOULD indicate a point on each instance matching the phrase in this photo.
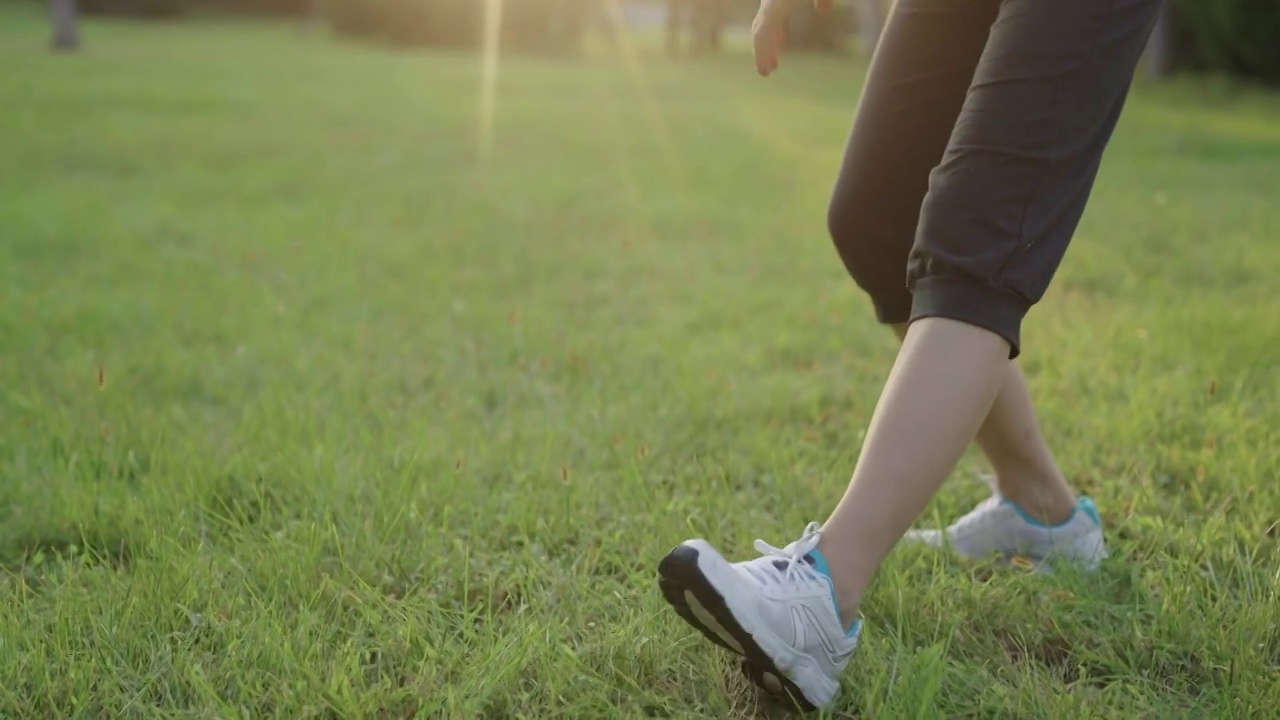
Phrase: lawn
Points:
(319, 401)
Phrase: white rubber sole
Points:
(1037, 559)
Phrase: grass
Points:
(309, 409)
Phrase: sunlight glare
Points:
(489, 74)
(631, 59)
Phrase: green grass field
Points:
(310, 408)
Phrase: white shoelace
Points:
(796, 569)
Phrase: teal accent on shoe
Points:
(1032, 521)
(1086, 504)
(820, 564)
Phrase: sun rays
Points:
(490, 50)
(628, 52)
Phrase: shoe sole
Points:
(699, 584)
(1042, 564)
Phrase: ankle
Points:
(847, 581)
(1041, 493)
(1044, 508)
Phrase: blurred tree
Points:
(703, 20)
(445, 23)
(135, 8)
(66, 26)
(811, 30)
(263, 7)
(544, 26)
(1237, 37)
(355, 18)
(1158, 56)
(870, 17)
(676, 23)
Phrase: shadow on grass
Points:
(38, 555)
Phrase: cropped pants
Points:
(974, 149)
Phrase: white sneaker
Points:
(999, 527)
(778, 611)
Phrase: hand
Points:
(769, 27)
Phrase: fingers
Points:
(766, 58)
(766, 37)
(764, 40)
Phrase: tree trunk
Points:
(678, 12)
(1159, 52)
(871, 16)
(715, 15)
(66, 31)
(312, 16)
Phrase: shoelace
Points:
(795, 568)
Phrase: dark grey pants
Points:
(975, 148)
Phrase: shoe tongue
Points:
(807, 558)
(818, 561)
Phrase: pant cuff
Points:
(969, 301)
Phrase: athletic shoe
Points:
(997, 526)
(778, 611)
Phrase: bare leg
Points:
(1026, 472)
(942, 387)
(1010, 438)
